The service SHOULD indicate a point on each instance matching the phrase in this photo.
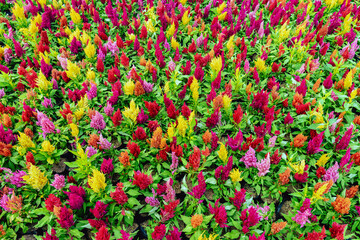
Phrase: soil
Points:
(60, 166)
(209, 194)
(285, 209)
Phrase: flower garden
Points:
(179, 119)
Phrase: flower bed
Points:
(179, 119)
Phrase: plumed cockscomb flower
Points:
(97, 121)
(159, 232)
(337, 231)
(51, 202)
(59, 182)
(65, 218)
(51, 236)
(199, 189)
(261, 100)
(107, 166)
(332, 173)
(249, 159)
(119, 195)
(263, 165)
(90, 151)
(99, 210)
(235, 143)
(142, 180)
(174, 234)
(102, 234)
(108, 110)
(288, 119)
(104, 143)
(302, 218)
(92, 93)
(152, 201)
(315, 143)
(250, 218)
(220, 214)
(345, 140)
(239, 198)
(316, 235)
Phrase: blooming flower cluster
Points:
(179, 119)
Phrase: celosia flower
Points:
(65, 218)
(235, 175)
(263, 166)
(337, 231)
(97, 181)
(35, 178)
(220, 214)
(59, 182)
(277, 227)
(107, 166)
(159, 232)
(239, 198)
(119, 195)
(97, 121)
(332, 173)
(196, 220)
(199, 190)
(249, 159)
(341, 205)
(102, 234)
(222, 153)
(142, 180)
(131, 112)
(99, 210)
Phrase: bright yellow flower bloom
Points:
(18, 11)
(171, 132)
(222, 16)
(353, 94)
(129, 87)
(221, 8)
(194, 87)
(84, 102)
(90, 50)
(230, 43)
(298, 167)
(167, 88)
(42, 2)
(35, 178)
(216, 64)
(348, 80)
(322, 160)
(235, 175)
(211, 236)
(174, 43)
(318, 194)
(25, 141)
(47, 147)
(170, 32)
(183, 2)
(85, 38)
(42, 82)
(90, 75)
(223, 154)
(185, 18)
(149, 26)
(73, 70)
(260, 65)
(131, 112)
(74, 129)
(182, 125)
(79, 113)
(227, 102)
(97, 181)
(75, 17)
(55, 4)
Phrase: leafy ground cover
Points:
(179, 119)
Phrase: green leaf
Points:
(76, 233)
(233, 234)
(43, 221)
(211, 181)
(133, 192)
